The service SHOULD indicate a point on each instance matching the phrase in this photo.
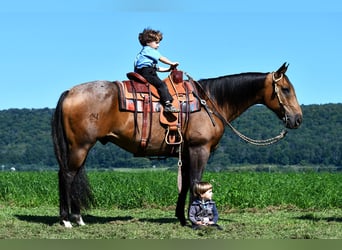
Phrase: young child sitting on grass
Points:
(203, 211)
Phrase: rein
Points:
(264, 142)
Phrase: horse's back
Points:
(97, 90)
(92, 96)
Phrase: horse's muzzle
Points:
(293, 121)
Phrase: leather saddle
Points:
(139, 96)
(133, 93)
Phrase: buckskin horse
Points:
(90, 112)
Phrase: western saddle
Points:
(139, 96)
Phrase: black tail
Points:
(58, 134)
(74, 189)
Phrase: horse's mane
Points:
(233, 88)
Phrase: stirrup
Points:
(170, 109)
(171, 140)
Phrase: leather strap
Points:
(144, 138)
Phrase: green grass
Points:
(271, 223)
(140, 205)
(127, 190)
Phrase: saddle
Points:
(139, 96)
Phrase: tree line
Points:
(26, 144)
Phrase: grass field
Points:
(140, 205)
(270, 223)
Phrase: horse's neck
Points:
(233, 110)
(235, 98)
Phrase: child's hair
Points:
(150, 35)
(201, 187)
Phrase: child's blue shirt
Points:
(147, 57)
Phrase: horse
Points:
(90, 112)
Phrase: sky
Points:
(47, 47)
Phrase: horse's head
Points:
(280, 97)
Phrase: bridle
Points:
(216, 112)
(277, 93)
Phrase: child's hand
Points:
(174, 66)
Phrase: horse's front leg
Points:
(180, 213)
(198, 160)
(192, 169)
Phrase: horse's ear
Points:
(282, 68)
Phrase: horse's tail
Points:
(58, 134)
(71, 189)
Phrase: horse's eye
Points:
(285, 90)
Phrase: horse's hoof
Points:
(182, 221)
(79, 220)
(66, 224)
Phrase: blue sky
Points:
(47, 47)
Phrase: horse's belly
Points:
(156, 146)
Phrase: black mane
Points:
(233, 88)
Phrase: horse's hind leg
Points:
(80, 195)
(73, 187)
(65, 180)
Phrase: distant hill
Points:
(25, 141)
